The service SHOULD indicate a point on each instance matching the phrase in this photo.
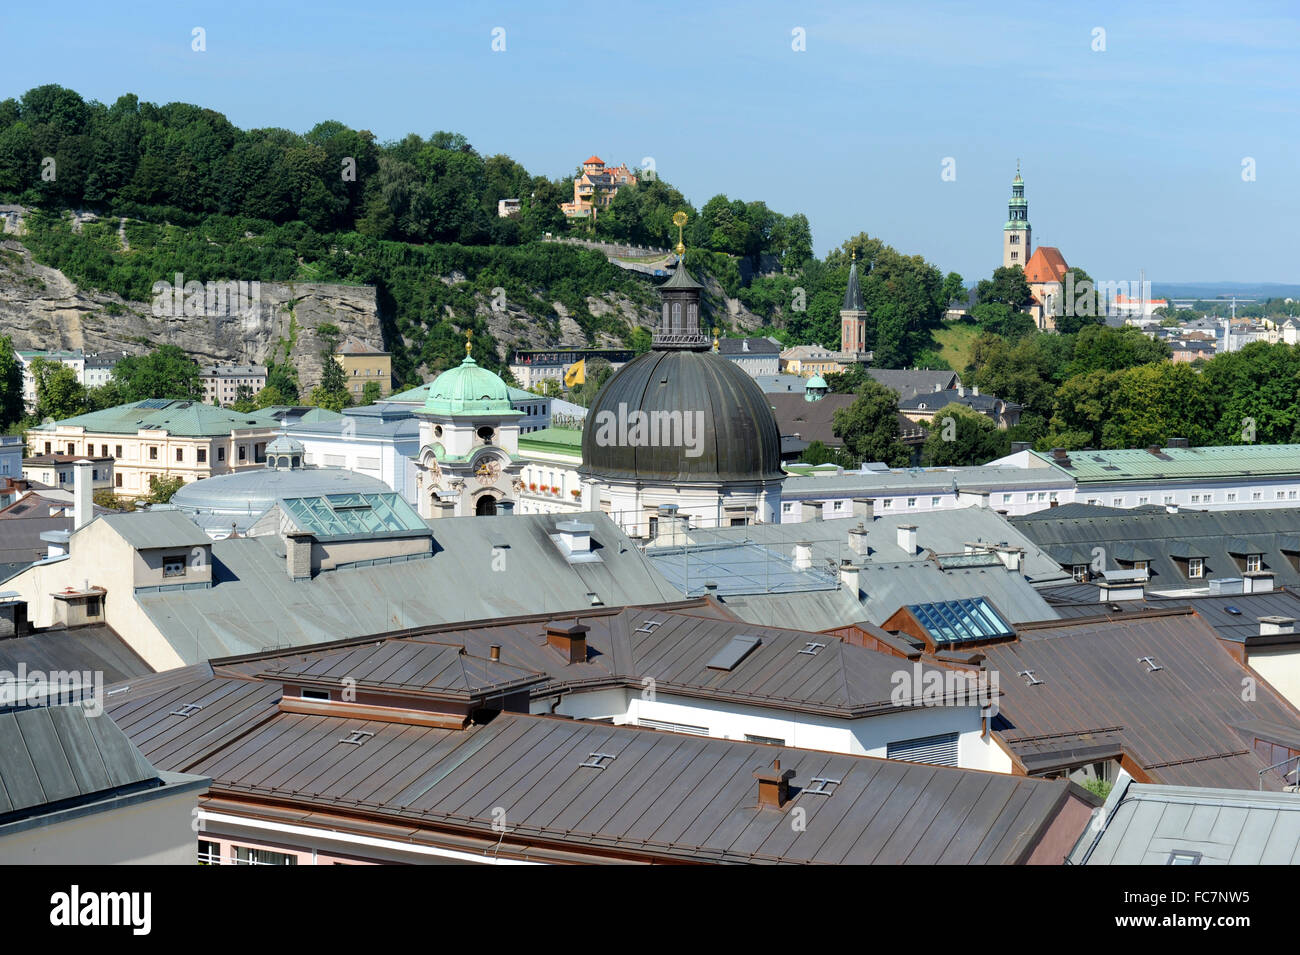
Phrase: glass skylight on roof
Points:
(957, 621)
(354, 514)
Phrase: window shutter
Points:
(940, 750)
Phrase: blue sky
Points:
(1132, 156)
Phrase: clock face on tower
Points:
(488, 471)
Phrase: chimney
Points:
(975, 391)
(907, 538)
(569, 638)
(810, 511)
(961, 391)
(1153, 449)
(1274, 626)
(1012, 557)
(1257, 582)
(937, 387)
(864, 508)
(494, 653)
(858, 541)
(670, 528)
(297, 552)
(711, 588)
(850, 578)
(1060, 456)
(802, 555)
(83, 488)
(773, 785)
(575, 537)
(506, 508)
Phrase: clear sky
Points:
(1132, 155)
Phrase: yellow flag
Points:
(576, 374)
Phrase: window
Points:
(1254, 562)
(47, 447)
(202, 455)
(1256, 496)
(72, 447)
(766, 740)
(1080, 573)
(1183, 857)
(103, 449)
(1142, 565)
(911, 502)
(1196, 499)
(839, 506)
(887, 503)
(1006, 498)
(1195, 568)
(1117, 502)
(1169, 499)
(674, 727)
(174, 566)
(117, 451)
(1015, 256)
(940, 750)
(934, 502)
(1232, 496)
(153, 452)
(1144, 500)
(243, 452)
(787, 507)
(209, 852)
(221, 454)
(248, 856)
(180, 454)
(315, 694)
(117, 480)
(92, 607)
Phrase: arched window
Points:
(677, 317)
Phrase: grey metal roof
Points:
(97, 649)
(737, 435)
(1234, 617)
(1145, 824)
(57, 754)
(481, 567)
(1274, 532)
(908, 382)
(853, 291)
(901, 481)
(161, 528)
(758, 347)
(1183, 723)
(658, 795)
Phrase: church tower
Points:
(1016, 233)
(853, 317)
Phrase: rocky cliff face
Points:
(41, 308)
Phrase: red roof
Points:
(594, 159)
(1045, 265)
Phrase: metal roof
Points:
(162, 528)
(661, 795)
(185, 418)
(253, 604)
(1094, 697)
(95, 648)
(903, 481)
(1175, 464)
(239, 499)
(727, 412)
(1144, 824)
(56, 754)
(1273, 533)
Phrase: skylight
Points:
(737, 649)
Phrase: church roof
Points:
(681, 279)
(1045, 265)
(853, 294)
(469, 390)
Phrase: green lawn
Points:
(955, 341)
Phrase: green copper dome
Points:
(468, 389)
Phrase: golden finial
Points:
(679, 220)
(715, 337)
(469, 346)
(853, 255)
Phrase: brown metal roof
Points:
(662, 794)
(1181, 723)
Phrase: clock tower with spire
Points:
(1016, 234)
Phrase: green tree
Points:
(244, 400)
(1007, 287)
(640, 340)
(12, 408)
(869, 426)
(332, 392)
(1087, 307)
(162, 487)
(818, 452)
(961, 436)
(165, 372)
(272, 397)
(58, 393)
(371, 393)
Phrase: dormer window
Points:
(1195, 568)
(1254, 562)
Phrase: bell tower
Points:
(853, 316)
(1016, 234)
(680, 325)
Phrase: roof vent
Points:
(568, 638)
(773, 785)
(1274, 625)
(575, 537)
